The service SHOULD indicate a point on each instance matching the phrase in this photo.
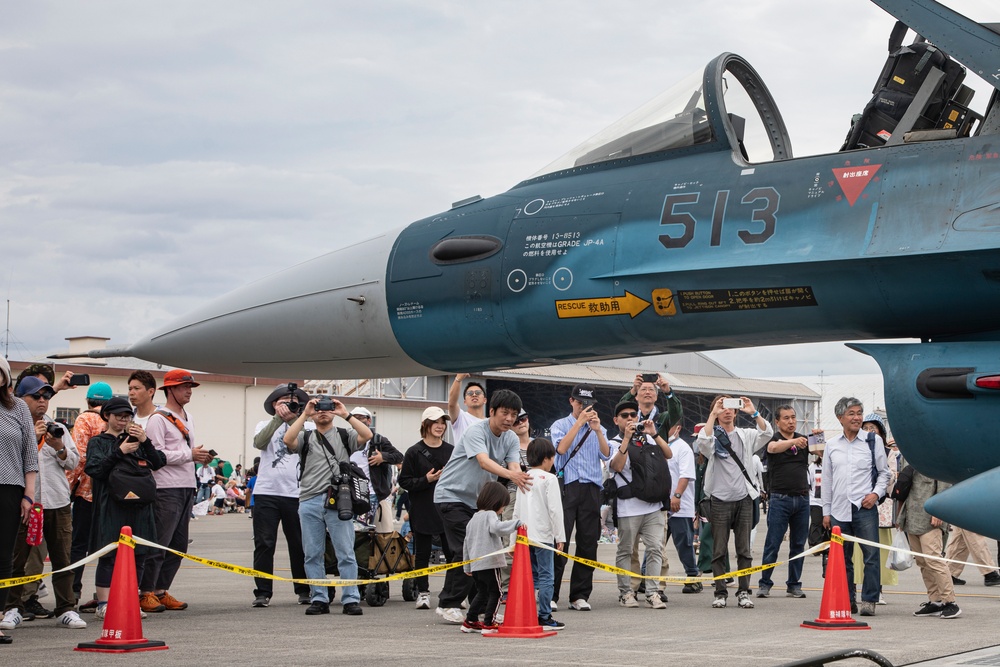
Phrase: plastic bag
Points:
(896, 560)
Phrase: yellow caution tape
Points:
(127, 540)
(837, 538)
(20, 581)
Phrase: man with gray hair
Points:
(855, 477)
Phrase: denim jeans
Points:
(863, 524)
(316, 521)
(542, 570)
(681, 530)
(789, 513)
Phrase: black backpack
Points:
(650, 475)
(344, 438)
(901, 491)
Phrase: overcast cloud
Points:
(156, 155)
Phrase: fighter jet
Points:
(689, 225)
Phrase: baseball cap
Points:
(177, 377)
(100, 391)
(361, 412)
(624, 405)
(434, 413)
(585, 393)
(32, 385)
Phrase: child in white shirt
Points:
(540, 509)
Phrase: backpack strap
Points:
(870, 439)
(177, 424)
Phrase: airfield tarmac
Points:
(220, 627)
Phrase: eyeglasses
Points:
(520, 420)
(627, 414)
(123, 415)
(474, 393)
(42, 395)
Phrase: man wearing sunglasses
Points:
(475, 405)
(56, 456)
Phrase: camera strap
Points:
(577, 448)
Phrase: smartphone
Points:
(213, 453)
(79, 380)
(650, 377)
(732, 403)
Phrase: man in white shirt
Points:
(680, 519)
(855, 477)
(475, 405)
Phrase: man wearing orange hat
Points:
(170, 428)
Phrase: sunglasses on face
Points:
(474, 393)
(42, 396)
(521, 420)
(628, 414)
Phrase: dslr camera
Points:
(55, 430)
(293, 405)
(325, 404)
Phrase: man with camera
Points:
(321, 453)
(581, 444)
(171, 430)
(639, 516)
(276, 493)
(377, 461)
(56, 455)
(729, 488)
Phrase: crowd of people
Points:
(127, 461)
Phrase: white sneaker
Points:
(143, 615)
(554, 606)
(580, 605)
(71, 619)
(453, 616)
(101, 610)
(655, 601)
(423, 601)
(628, 600)
(11, 620)
(881, 600)
(465, 604)
(43, 591)
(719, 603)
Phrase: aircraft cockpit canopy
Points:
(724, 106)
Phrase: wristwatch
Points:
(677, 495)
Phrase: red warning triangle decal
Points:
(853, 180)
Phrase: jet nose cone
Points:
(324, 318)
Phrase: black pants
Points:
(422, 545)
(581, 508)
(457, 586)
(173, 516)
(268, 512)
(487, 597)
(83, 512)
(10, 520)
(731, 518)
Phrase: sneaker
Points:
(627, 600)
(33, 606)
(691, 588)
(743, 600)
(149, 602)
(497, 618)
(89, 607)
(579, 605)
(719, 602)
(352, 609)
(554, 606)
(881, 600)
(304, 597)
(102, 609)
(423, 600)
(951, 610)
(172, 603)
(991, 579)
(143, 615)
(11, 619)
(854, 607)
(71, 619)
(663, 595)
(730, 582)
(491, 629)
(957, 582)
(472, 627)
(866, 608)
(793, 592)
(43, 591)
(317, 608)
(465, 604)
(763, 590)
(929, 609)
(655, 601)
(453, 616)
(260, 601)
(550, 623)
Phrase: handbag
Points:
(897, 560)
(130, 483)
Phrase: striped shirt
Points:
(18, 448)
(586, 465)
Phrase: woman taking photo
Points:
(18, 468)
(422, 466)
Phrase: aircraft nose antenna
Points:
(360, 300)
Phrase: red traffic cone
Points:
(122, 631)
(521, 617)
(835, 607)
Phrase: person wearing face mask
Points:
(422, 466)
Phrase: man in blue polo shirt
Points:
(581, 444)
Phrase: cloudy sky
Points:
(156, 155)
